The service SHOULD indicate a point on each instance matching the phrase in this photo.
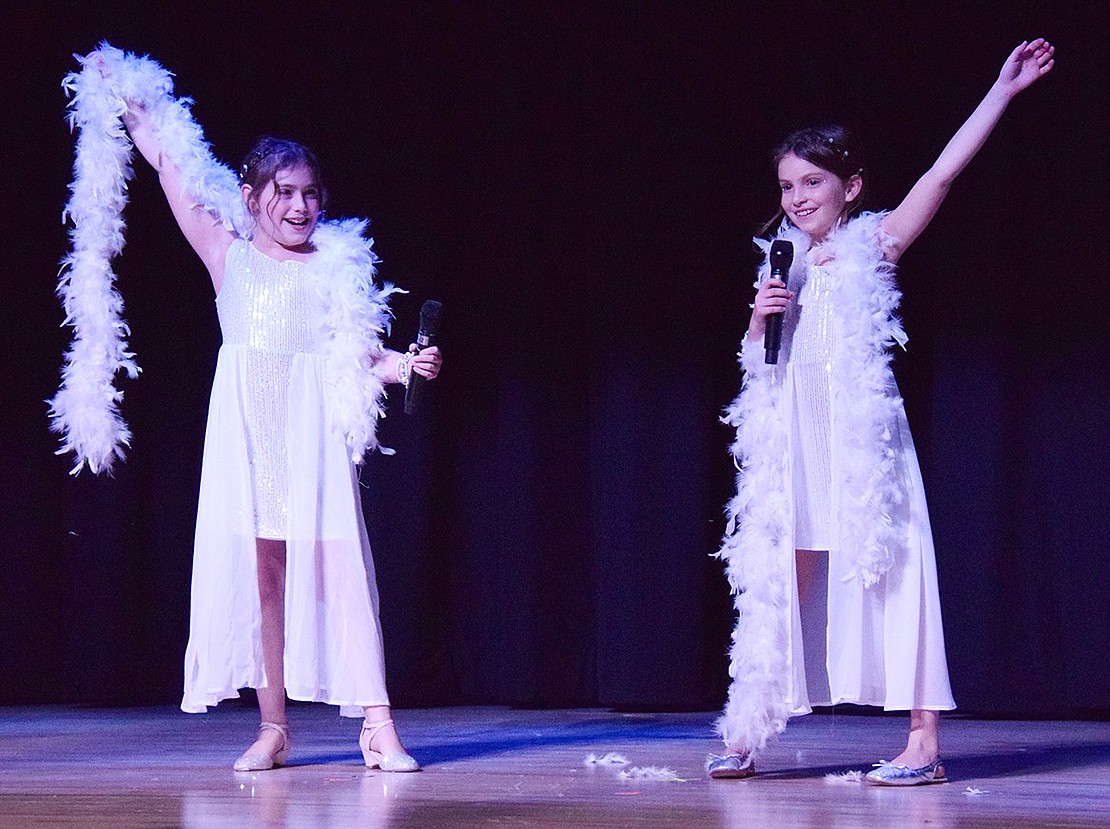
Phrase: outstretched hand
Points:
(96, 60)
(133, 110)
(1026, 63)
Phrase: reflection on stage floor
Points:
(156, 767)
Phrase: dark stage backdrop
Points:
(579, 183)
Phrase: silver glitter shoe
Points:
(260, 761)
(731, 766)
(396, 762)
(887, 773)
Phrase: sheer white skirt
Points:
(333, 643)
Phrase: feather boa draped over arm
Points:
(85, 410)
(356, 319)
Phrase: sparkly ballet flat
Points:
(731, 766)
(887, 773)
(260, 761)
(396, 762)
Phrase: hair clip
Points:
(251, 161)
(832, 146)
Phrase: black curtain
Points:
(579, 185)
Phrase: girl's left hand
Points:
(1026, 63)
(428, 362)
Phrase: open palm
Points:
(1025, 64)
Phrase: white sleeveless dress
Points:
(856, 642)
(273, 468)
(811, 360)
(827, 463)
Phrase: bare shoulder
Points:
(215, 256)
(893, 237)
(887, 242)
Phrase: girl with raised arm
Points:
(829, 551)
(283, 590)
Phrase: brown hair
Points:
(831, 148)
(269, 156)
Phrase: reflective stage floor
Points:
(500, 767)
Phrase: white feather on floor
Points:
(854, 776)
(610, 759)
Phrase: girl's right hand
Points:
(96, 59)
(772, 298)
(134, 115)
(133, 112)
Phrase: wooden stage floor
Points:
(498, 767)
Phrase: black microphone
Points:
(430, 312)
(782, 254)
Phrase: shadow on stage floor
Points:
(156, 767)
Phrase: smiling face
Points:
(285, 210)
(813, 198)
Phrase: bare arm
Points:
(204, 233)
(1026, 64)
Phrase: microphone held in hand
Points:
(430, 312)
(782, 255)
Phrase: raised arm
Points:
(1026, 63)
(205, 234)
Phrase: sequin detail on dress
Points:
(263, 308)
(811, 358)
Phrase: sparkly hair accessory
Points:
(252, 161)
(836, 148)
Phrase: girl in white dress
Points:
(283, 591)
(829, 551)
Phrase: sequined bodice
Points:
(814, 334)
(263, 303)
(266, 315)
(811, 358)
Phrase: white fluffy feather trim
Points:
(758, 548)
(86, 409)
(356, 317)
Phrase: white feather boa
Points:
(86, 408)
(356, 319)
(759, 550)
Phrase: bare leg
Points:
(923, 745)
(271, 594)
(806, 563)
(385, 741)
(738, 762)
